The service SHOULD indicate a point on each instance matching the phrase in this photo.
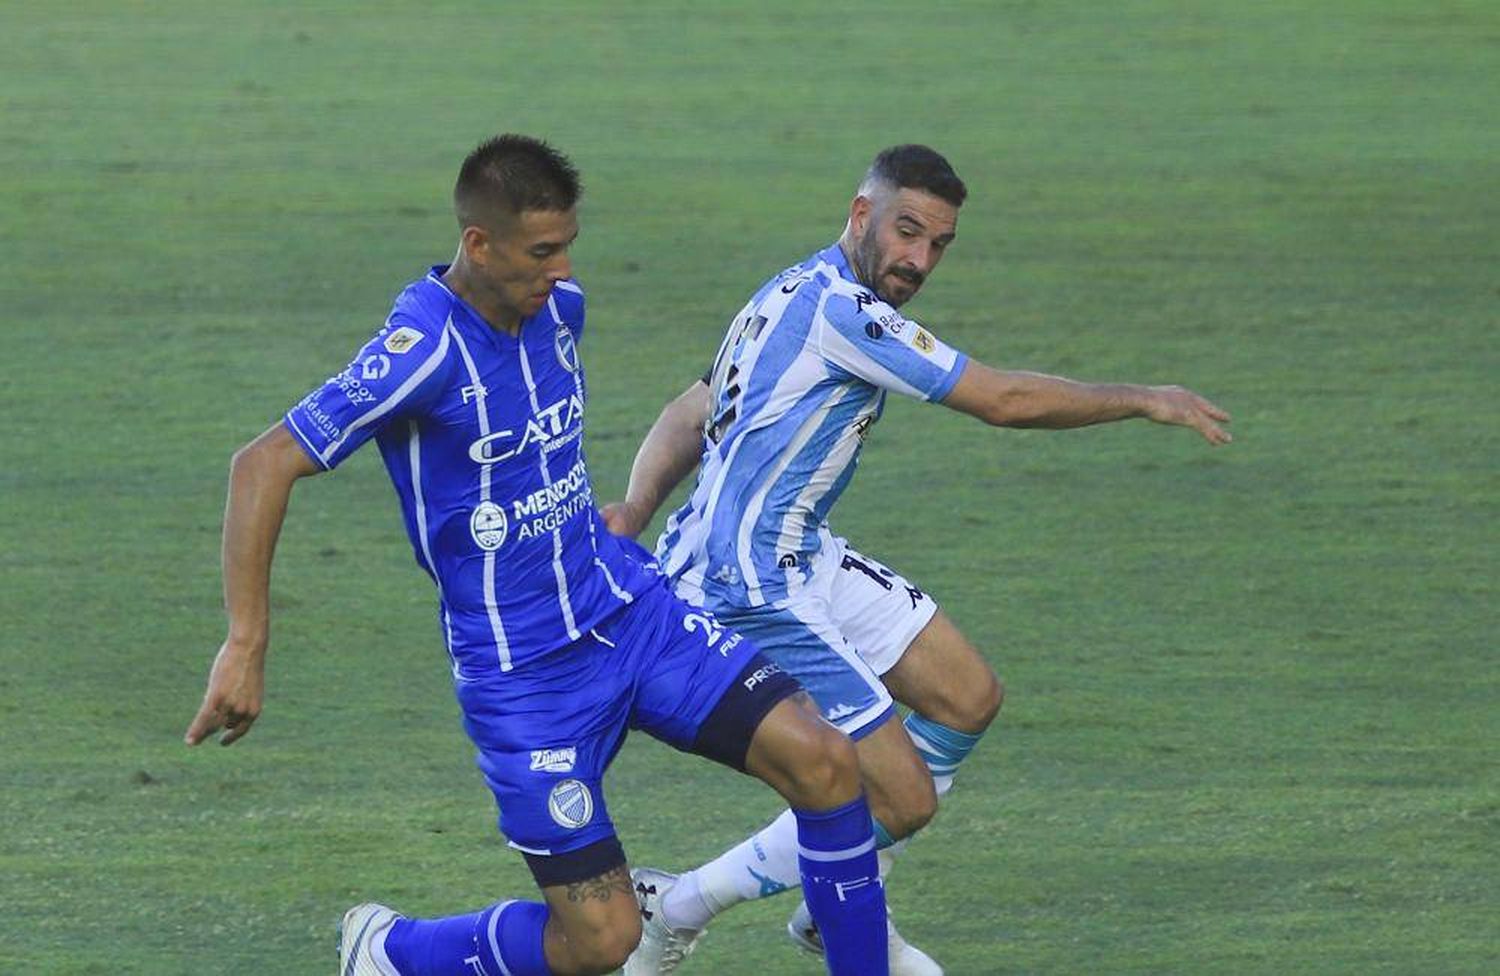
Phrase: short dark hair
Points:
(917, 167)
(512, 173)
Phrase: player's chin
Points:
(899, 291)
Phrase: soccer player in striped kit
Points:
(560, 635)
(776, 429)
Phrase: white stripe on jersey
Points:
(394, 400)
(502, 645)
(819, 483)
(419, 503)
(744, 548)
(836, 348)
(557, 546)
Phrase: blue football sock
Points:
(941, 748)
(453, 945)
(508, 939)
(841, 883)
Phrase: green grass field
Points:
(1253, 716)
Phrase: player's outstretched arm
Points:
(1015, 398)
(670, 452)
(260, 482)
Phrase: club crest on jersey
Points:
(554, 760)
(488, 527)
(402, 339)
(571, 804)
(567, 349)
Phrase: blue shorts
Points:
(548, 729)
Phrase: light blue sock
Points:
(940, 747)
(841, 883)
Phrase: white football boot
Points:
(906, 959)
(661, 949)
(363, 926)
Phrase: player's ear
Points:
(475, 240)
(860, 209)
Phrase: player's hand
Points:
(233, 699)
(1184, 408)
(624, 518)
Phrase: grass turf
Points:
(1251, 721)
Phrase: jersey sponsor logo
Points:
(312, 408)
(554, 760)
(374, 367)
(571, 804)
(841, 710)
(550, 507)
(353, 387)
(553, 426)
(862, 425)
(488, 526)
(402, 339)
(473, 392)
(873, 329)
(726, 574)
(567, 348)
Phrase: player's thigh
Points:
(943, 676)
(877, 609)
(809, 762)
(594, 922)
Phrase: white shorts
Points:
(877, 609)
(846, 627)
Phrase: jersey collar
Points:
(834, 255)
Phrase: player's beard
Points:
(871, 259)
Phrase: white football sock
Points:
(763, 864)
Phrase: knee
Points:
(827, 770)
(970, 706)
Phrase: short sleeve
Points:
(398, 373)
(866, 337)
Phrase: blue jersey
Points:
(799, 379)
(482, 433)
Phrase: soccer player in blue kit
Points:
(560, 635)
(775, 429)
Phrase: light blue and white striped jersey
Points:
(482, 435)
(799, 379)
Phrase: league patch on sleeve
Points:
(402, 340)
(927, 345)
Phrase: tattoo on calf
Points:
(613, 882)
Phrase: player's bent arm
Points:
(1017, 398)
(669, 453)
(260, 482)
